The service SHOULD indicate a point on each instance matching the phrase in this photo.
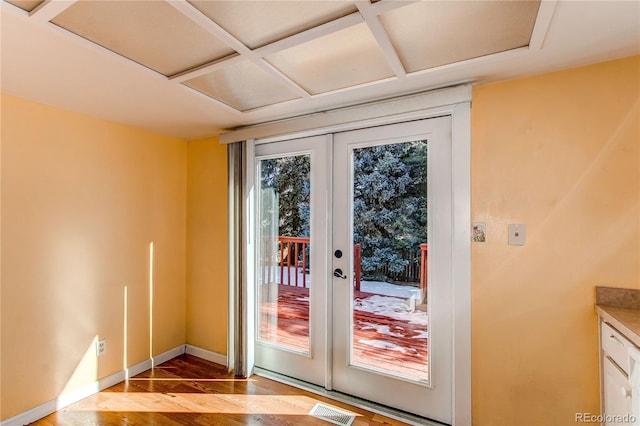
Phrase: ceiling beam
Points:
(381, 37)
(49, 9)
(216, 30)
(385, 6)
(311, 34)
(543, 21)
(207, 68)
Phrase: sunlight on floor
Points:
(197, 403)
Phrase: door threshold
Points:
(383, 410)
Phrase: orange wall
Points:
(207, 245)
(82, 199)
(559, 153)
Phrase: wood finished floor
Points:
(191, 391)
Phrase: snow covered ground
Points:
(391, 307)
(388, 289)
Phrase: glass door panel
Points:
(389, 311)
(290, 273)
(284, 245)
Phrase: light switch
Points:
(517, 234)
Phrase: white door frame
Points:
(460, 113)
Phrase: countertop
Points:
(620, 307)
(625, 320)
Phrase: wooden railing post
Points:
(292, 254)
(357, 259)
(423, 268)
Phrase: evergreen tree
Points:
(289, 177)
(390, 206)
(389, 196)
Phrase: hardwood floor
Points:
(191, 391)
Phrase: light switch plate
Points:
(517, 234)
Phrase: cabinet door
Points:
(617, 392)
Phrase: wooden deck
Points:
(379, 341)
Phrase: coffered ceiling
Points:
(191, 68)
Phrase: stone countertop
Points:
(625, 320)
(620, 307)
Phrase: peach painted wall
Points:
(560, 153)
(207, 245)
(82, 200)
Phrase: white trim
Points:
(328, 320)
(328, 121)
(461, 265)
(248, 258)
(168, 355)
(382, 38)
(204, 22)
(208, 355)
(72, 397)
(310, 34)
(50, 9)
(134, 370)
(541, 27)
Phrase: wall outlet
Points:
(101, 347)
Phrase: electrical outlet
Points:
(101, 347)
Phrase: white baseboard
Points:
(208, 355)
(69, 398)
(166, 356)
(145, 365)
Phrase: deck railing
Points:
(412, 271)
(293, 253)
(292, 258)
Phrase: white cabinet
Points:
(617, 392)
(617, 407)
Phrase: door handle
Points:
(338, 274)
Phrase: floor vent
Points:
(332, 414)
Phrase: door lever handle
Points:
(338, 274)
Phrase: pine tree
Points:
(289, 178)
(390, 208)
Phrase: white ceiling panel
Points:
(349, 57)
(432, 33)
(150, 32)
(225, 64)
(242, 86)
(260, 22)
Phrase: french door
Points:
(353, 263)
(292, 231)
